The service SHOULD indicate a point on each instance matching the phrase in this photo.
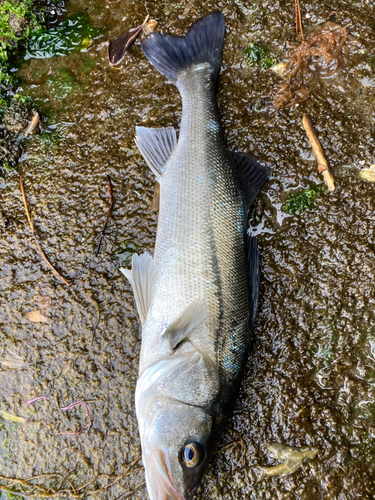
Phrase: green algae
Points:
(258, 55)
(125, 252)
(18, 19)
(304, 200)
(74, 34)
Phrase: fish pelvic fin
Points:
(142, 279)
(252, 253)
(203, 44)
(156, 146)
(188, 321)
(251, 176)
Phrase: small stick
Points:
(33, 124)
(323, 165)
(42, 254)
(298, 19)
(107, 217)
(156, 198)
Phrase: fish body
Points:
(197, 297)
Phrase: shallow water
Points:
(310, 379)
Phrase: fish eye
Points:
(191, 454)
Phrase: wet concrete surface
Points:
(310, 379)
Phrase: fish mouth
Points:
(160, 484)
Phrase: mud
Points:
(310, 380)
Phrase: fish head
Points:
(176, 435)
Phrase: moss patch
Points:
(304, 200)
(258, 55)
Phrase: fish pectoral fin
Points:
(142, 279)
(188, 321)
(252, 254)
(251, 176)
(156, 146)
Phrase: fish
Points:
(197, 296)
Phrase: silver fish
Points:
(197, 297)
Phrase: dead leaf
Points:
(14, 361)
(33, 124)
(12, 418)
(36, 316)
(368, 174)
(150, 27)
(118, 47)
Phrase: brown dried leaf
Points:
(36, 316)
(33, 124)
(150, 27)
(118, 47)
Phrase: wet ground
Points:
(310, 379)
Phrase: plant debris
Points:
(292, 459)
(118, 47)
(150, 27)
(33, 124)
(13, 361)
(36, 316)
(368, 174)
(12, 418)
(319, 56)
(156, 198)
(31, 488)
(323, 165)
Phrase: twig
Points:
(107, 217)
(128, 494)
(42, 254)
(298, 19)
(323, 165)
(156, 198)
(123, 474)
(65, 478)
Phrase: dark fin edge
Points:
(252, 253)
(251, 176)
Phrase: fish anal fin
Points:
(188, 321)
(156, 146)
(251, 176)
(142, 279)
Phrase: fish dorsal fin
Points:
(253, 273)
(142, 279)
(188, 321)
(156, 146)
(251, 176)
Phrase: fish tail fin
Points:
(202, 44)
